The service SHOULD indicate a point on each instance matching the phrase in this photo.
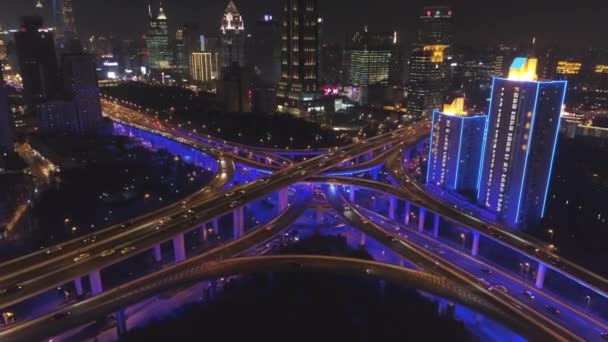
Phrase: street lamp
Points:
(463, 237)
(551, 234)
(588, 298)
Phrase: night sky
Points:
(477, 21)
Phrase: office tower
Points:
(80, 84)
(370, 56)
(428, 73)
(234, 90)
(519, 144)
(212, 46)
(232, 37)
(265, 53)
(6, 122)
(58, 116)
(181, 54)
(37, 61)
(158, 41)
(68, 27)
(331, 64)
(455, 148)
(202, 68)
(299, 55)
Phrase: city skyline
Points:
(476, 21)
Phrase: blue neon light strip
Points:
(459, 150)
(523, 179)
(428, 164)
(559, 125)
(485, 138)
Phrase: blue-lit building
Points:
(455, 148)
(519, 144)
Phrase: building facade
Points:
(157, 40)
(6, 122)
(299, 56)
(232, 37)
(80, 82)
(370, 55)
(455, 148)
(519, 144)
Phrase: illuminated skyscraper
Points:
(370, 57)
(6, 122)
(428, 72)
(299, 55)
(519, 144)
(455, 148)
(158, 41)
(232, 37)
(202, 68)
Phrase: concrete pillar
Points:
(369, 155)
(408, 212)
(121, 322)
(475, 244)
(179, 248)
(374, 174)
(392, 207)
(158, 255)
(540, 275)
(216, 226)
(78, 286)
(351, 194)
(238, 224)
(96, 285)
(362, 240)
(436, 219)
(421, 217)
(319, 216)
(283, 199)
(203, 232)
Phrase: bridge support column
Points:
(78, 286)
(179, 248)
(238, 224)
(158, 255)
(362, 240)
(374, 173)
(436, 220)
(392, 207)
(351, 194)
(121, 322)
(421, 217)
(203, 232)
(475, 245)
(283, 199)
(540, 275)
(96, 285)
(216, 226)
(408, 213)
(319, 216)
(369, 155)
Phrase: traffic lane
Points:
(185, 274)
(30, 264)
(582, 327)
(431, 263)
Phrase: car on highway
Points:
(107, 252)
(52, 250)
(61, 315)
(127, 250)
(553, 310)
(81, 257)
(604, 336)
(502, 288)
(234, 204)
(10, 290)
(391, 238)
(485, 283)
(528, 295)
(487, 271)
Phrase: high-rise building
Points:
(68, 26)
(234, 90)
(158, 41)
(58, 116)
(265, 54)
(181, 54)
(37, 61)
(370, 56)
(299, 55)
(6, 122)
(203, 67)
(519, 144)
(232, 37)
(428, 71)
(80, 82)
(455, 148)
